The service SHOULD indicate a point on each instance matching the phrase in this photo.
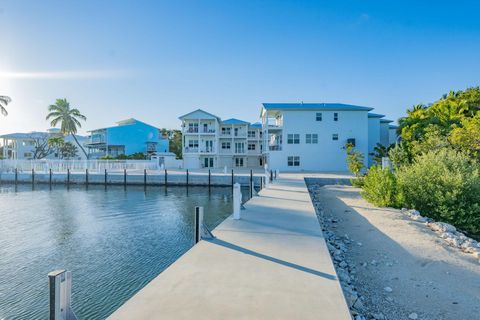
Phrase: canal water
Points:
(114, 241)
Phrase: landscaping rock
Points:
(413, 316)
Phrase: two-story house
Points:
(312, 136)
(127, 137)
(210, 142)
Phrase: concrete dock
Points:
(271, 264)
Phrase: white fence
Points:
(77, 165)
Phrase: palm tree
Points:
(4, 100)
(68, 118)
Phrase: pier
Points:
(273, 263)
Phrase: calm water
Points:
(114, 241)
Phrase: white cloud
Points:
(71, 74)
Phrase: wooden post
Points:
(50, 177)
(261, 182)
(16, 176)
(105, 177)
(86, 177)
(198, 224)
(209, 178)
(271, 176)
(33, 176)
(125, 178)
(145, 178)
(68, 177)
(166, 179)
(187, 177)
(251, 184)
(232, 178)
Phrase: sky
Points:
(157, 60)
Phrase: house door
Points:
(205, 127)
(209, 146)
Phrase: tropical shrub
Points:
(443, 185)
(355, 160)
(380, 187)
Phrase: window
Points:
(335, 116)
(293, 161)
(293, 138)
(319, 116)
(239, 147)
(311, 138)
(251, 146)
(193, 127)
(335, 136)
(238, 162)
(27, 155)
(226, 131)
(225, 145)
(193, 143)
(251, 134)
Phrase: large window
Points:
(251, 133)
(318, 116)
(311, 138)
(226, 131)
(225, 145)
(238, 162)
(335, 116)
(193, 127)
(293, 161)
(251, 146)
(293, 138)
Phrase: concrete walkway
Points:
(271, 264)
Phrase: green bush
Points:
(443, 185)
(380, 187)
(358, 181)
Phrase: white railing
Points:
(76, 165)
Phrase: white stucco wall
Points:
(384, 134)
(327, 155)
(392, 135)
(373, 136)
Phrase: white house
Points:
(312, 136)
(22, 146)
(392, 134)
(209, 142)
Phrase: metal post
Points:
(232, 178)
(60, 295)
(187, 177)
(237, 201)
(275, 174)
(125, 177)
(33, 176)
(50, 177)
(86, 177)
(209, 178)
(145, 178)
(261, 182)
(271, 176)
(166, 179)
(68, 177)
(105, 177)
(198, 224)
(16, 176)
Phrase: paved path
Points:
(271, 264)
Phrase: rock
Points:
(343, 264)
(442, 227)
(359, 244)
(413, 316)
(419, 218)
(378, 316)
(358, 305)
(388, 289)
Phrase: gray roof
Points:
(392, 126)
(256, 125)
(314, 106)
(385, 120)
(234, 121)
(210, 114)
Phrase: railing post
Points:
(60, 293)
(237, 201)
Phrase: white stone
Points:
(388, 289)
(413, 316)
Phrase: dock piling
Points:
(198, 224)
(251, 183)
(187, 177)
(144, 178)
(105, 182)
(33, 177)
(124, 178)
(237, 201)
(209, 178)
(232, 178)
(166, 178)
(16, 176)
(60, 295)
(68, 177)
(50, 177)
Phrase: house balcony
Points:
(199, 150)
(275, 147)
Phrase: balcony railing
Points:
(199, 150)
(275, 147)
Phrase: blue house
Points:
(127, 137)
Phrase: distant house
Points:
(379, 132)
(210, 142)
(22, 146)
(127, 137)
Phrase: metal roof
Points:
(256, 125)
(375, 115)
(234, 121)
(314, 106)
(200, 110)
(385, 121)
